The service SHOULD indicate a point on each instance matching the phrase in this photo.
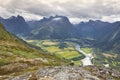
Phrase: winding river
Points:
(88, 57)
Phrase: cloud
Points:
(75, 9)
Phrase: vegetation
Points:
(62, 49)
(69, 53)
(110, 59)
(87, 50)
(16, 57)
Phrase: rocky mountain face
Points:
(16, 25)
(57, 27)
(109, 40)
(105, 35)
(92, 29)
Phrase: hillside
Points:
(16, 57)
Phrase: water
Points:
(88, 57)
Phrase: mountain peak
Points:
(91, 21)
(12, 17)
(19, 16)
(56, 18)
(16, 17)
(16, 24)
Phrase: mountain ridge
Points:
(59, 27)
(16, 25)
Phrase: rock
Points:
(46, 78)
(70, 73)
(66, 73)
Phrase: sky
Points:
(75, 10)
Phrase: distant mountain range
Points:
(58, 27)
(16, 25)
(104, 34)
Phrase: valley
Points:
(57, 42)
(65, 49)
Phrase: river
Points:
(88, 57)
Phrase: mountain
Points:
(92, 29)
(57, 27)
(16, 25)
(105, 35)
(17, 57)
(111, 40)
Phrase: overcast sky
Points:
(76, 10)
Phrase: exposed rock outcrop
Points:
(70, 73)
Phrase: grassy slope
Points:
(17, 57)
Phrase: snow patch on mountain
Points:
(56, 19)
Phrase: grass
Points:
(16, 56)
(4, 62)
(49, 43)
(21, 53)
(87, 50)
(70, 54)
(53, 47)
(10, 57)
(77, 62)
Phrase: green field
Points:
(87, 50)
(61, 49)
(66, 51)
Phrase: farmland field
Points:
(61, 49)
